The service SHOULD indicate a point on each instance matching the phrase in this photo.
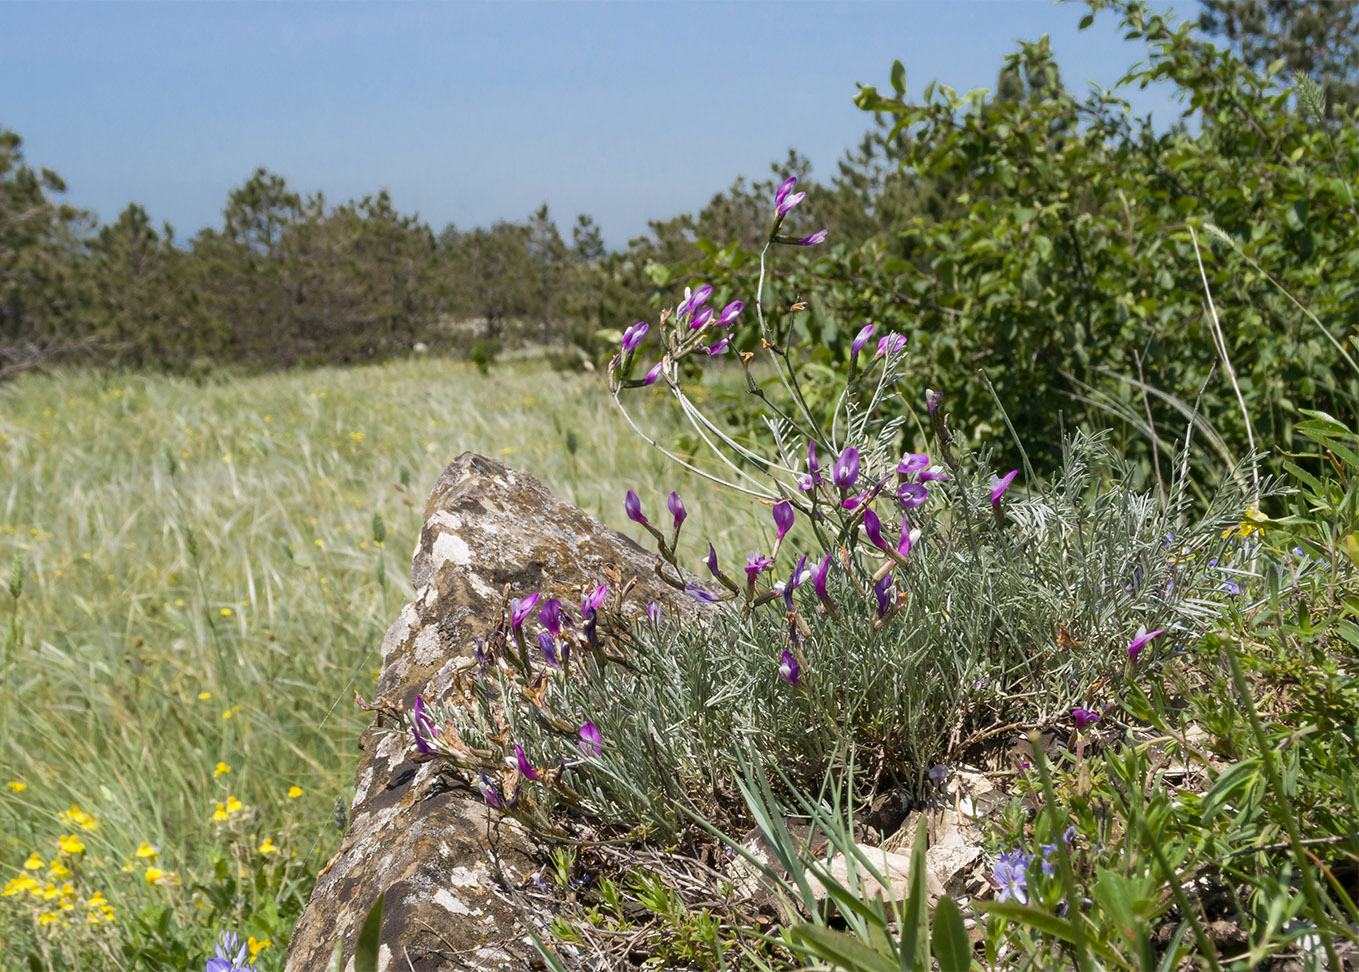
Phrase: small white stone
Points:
(450, 548)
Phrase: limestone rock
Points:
(449, 866)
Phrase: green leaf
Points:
(844, 951)
(915, 921)
(335, 956)
(1086, 21)
(899, 78)
(370, 937)
(1225, 786)
(952, 949)
(1029, 916)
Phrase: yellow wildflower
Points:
(50, 892)
(59, 871)
(34, 862)
(70, 844)
(146, 850)
(226, 612)
(78, 816)
(128, 867)
(155, 875)
(17, 786)
(204, 696)
(268, 846)
(17, 884)
(222, 768)
(233, 805)
(256, 946)
(294, 792)
(48, 918)
(220, 813)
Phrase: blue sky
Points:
(470, 112)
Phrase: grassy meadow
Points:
(198, 582)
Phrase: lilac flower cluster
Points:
(224, 961)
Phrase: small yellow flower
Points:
(154, 875)
(59, 871)
(127, 868)
(225, 612)
(34, 862)
(50, 892)
(233, 805)
(318, 543)
(356, 436)
(17, 884)
(268, 846)
(70, 844)
(204, 696)
(220, 813)
(294, 792)
(228, 713)
(17, 786)
(222, 769)
(80, 817)
(49, 918)
(146, 850)
(179, 602)
(256, 946)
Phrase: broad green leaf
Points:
(845, 951)
(952, 949)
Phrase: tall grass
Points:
(203, 584)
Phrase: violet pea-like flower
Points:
(632, 506)
(863, 337)
(912, 462)
(655, 372)
(1084, 718)
(880, 592)
(933, 474)
(789, 668)
(527, 770)
(909, 538)
(813, 477)
(676, 506)
(701, 317)
(490, 792)
(819, 578)
(795, 581)
(755, 564)
(700, 595)
(653, 611)
(1000, 484)
(783, 518)
(818, 237)
(520, 609)
(550, 617)
(932, 401)
(719, 348)
(595, 600)
(730, 313)
(699, 297)
(873, 528)
(633, 335)
(548, 648)
(890, 344)
(785, 187)
(786, 204)
(1141, 638)
(846, 471)
(590, 739)
(911, 495)
(712, 560)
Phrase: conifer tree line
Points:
(292, 279)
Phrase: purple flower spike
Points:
(818, 237)
(653, 611)
(1084, 718)
(1141, 638)
(700, 595)
(633, 335)
(720, 347)
(785, 188)
(880, 592)
(847, 468)
(550, 617)
(912, 462)
(1000, 484)
(786, 204)
(912, 495)
(755, 564)
(783, 518)
(730, 313)
(873, 528)
(789, 668)
(863, 337)
(654, 373)
(222, 960)
(590, 739)
(632, 506)
(520, 609)
(701, 318)
(676, 508)
(549, 649)
(490, 792)
(890, 344)
(529, 772)
(594, 601)
(819, 578)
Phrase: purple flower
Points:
(519, 610)
(701, 318)
(788, 202)
(932, 401)
(785, 188)
(1141, 638)
(873, 528)
(550, 617)
(730, 313)
(524, 767)
(632, 506)
(633, 335)
(863, 337)
(698, 298)
(789, 669)
(594, 601)
(880, 592)
(912, 462)
(819, 578)
(720, 347)
(676, 508)
(422, 727)
(590, 739)
(938, 772)
(846, 471)
(818, 237)
(222, 960)
(933, 474)
(783, 518)
(1232, 588)
(699, 594)
(712, 560)
(852, 502)
(813, 477)
(890, 344)
(1084, 718)
(1000, 484)
(549, 648)
(654, 373)
(653, 611)
(1011, 877)
(909, 538)
(490, 792)
(911, 495)
(755, 564)
(795, 580)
